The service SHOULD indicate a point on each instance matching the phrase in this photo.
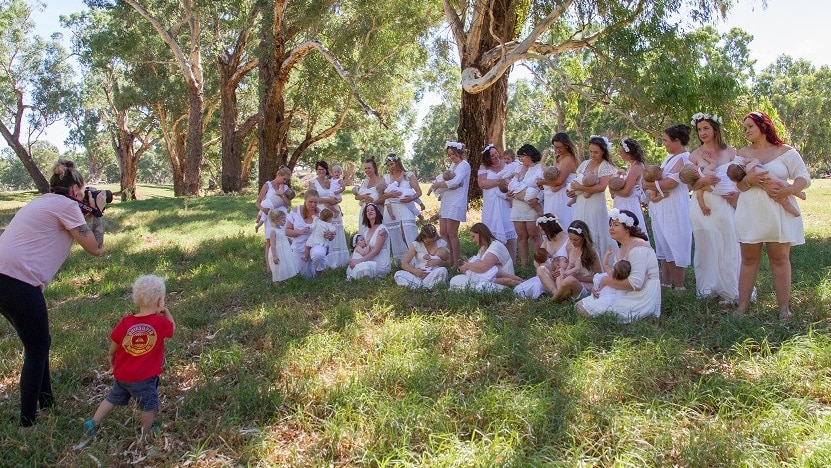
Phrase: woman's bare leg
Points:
(751, 256)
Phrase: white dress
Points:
(556, 203)
(377, 267)
(287, 267)
(593, 210)
(338, 255)
(454, 200)
(276, 202)
(365, 189)
(760, 219)
(496, 211)
(298, 244)
(520, 210)
(644, 301)
(532, 288)
(716, 260)
(671, 228)
(434, 276)
(632, 203)
(403, 229)
(479, 282)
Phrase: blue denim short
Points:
(146, 393)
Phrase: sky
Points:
(798, 28)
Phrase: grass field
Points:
(329, 373)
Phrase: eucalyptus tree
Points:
(493, 35)
(321, 62)
(35, 84)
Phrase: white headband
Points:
(575, 230)
(454, 144)
(546, 219)
(487, 148)
(605, 140)
(622, 218)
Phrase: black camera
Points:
(97, 200)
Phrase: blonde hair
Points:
(285, 172)
(275, 215)
(64, 177)
(147, 290)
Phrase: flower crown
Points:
(393, 157)
(624, 145)
(702, 116)
(622, 218)
(487, 148)
(454, 144)
(605, 140)
(547, 219)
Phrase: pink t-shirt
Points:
(37, 240)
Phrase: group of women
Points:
(576, 231)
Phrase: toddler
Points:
(136, 354)
(320, 226)
(737, 173)
(281, 260)
(444, 176)
(511, 164)
(336, 182)
(586, 179)
(617, 183)
(653, 173)
(271, 203)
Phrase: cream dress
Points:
(593, 210)
(671, 228)
(484, 281)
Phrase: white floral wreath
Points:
(454, 144)
(702, 116)
(547, 219)
(624, 145)
(605, 140)
(622, 218)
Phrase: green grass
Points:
(366, 373)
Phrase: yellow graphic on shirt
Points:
(139, 340)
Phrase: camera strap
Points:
(85, 208)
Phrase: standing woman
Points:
(523, 215)
(671, 228)
(716, 259)
(32, 249)
(555, 198)
(453, 209)
(338, 254)
(592, 209)
(629, 197)
(402, 224)
(496, 211)
(376, 262)
(425, 264)
(760, 220)
(370, 190)
(298, 228)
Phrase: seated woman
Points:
(298, 228)
(642, 297)
(491, 269)
(377, 261)
(554, 245)
(578, 285)
(425, 263)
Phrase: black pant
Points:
(25, 307)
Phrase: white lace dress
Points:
(593, 210)
(403, 229)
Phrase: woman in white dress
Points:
(716, 257)
(671, 228)
(555, 242)
(299, 228)
(376, 262)
(491, 269)
(578, 285)
(368, 192)
(425, 264)
(400, 222)
(555, 198)
(453, 209)
(629, 197)
(523, 214)
(642, 288)
(760, 220)
(496, 210)
(338, 254)
(591, 204)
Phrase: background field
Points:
(367, 373)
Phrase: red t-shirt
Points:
(140, 349)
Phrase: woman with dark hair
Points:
(642, 297)
(338, 253)
(401, 222)
(523, 214)
(491, 269)
(576, 286)
(590, 206)
(760, 219)
(453, 209)
(628, 197)
(555, 198)
(716, 257)
(32, 248)
(554, 246)
(370, 190)
(425, 264)
(376, 262)
(671, 228)
(496, 211)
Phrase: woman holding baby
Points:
(626, 188)
(369, 191)
(761, 219)
(555, 198)
(524, 213)
(338, 253)
(496, 210)
(453, 209)
(425, 263)
(401, 188)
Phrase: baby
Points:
(406, 191)
(617, 183)
(320, 226)
(336, 182)
(271, 203)
(443, 177)
(690, 174)
(737, 173)
(360, 248)
(540, 256)
(653, 173)
(586, 179)
(511, 164)
(620, 271)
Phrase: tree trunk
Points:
(39, 179)
(273, 139)
(124, 148)
(179, 170)
(231, 143)
(193, 147)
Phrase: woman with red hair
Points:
(760, 219)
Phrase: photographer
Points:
(32, 248)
